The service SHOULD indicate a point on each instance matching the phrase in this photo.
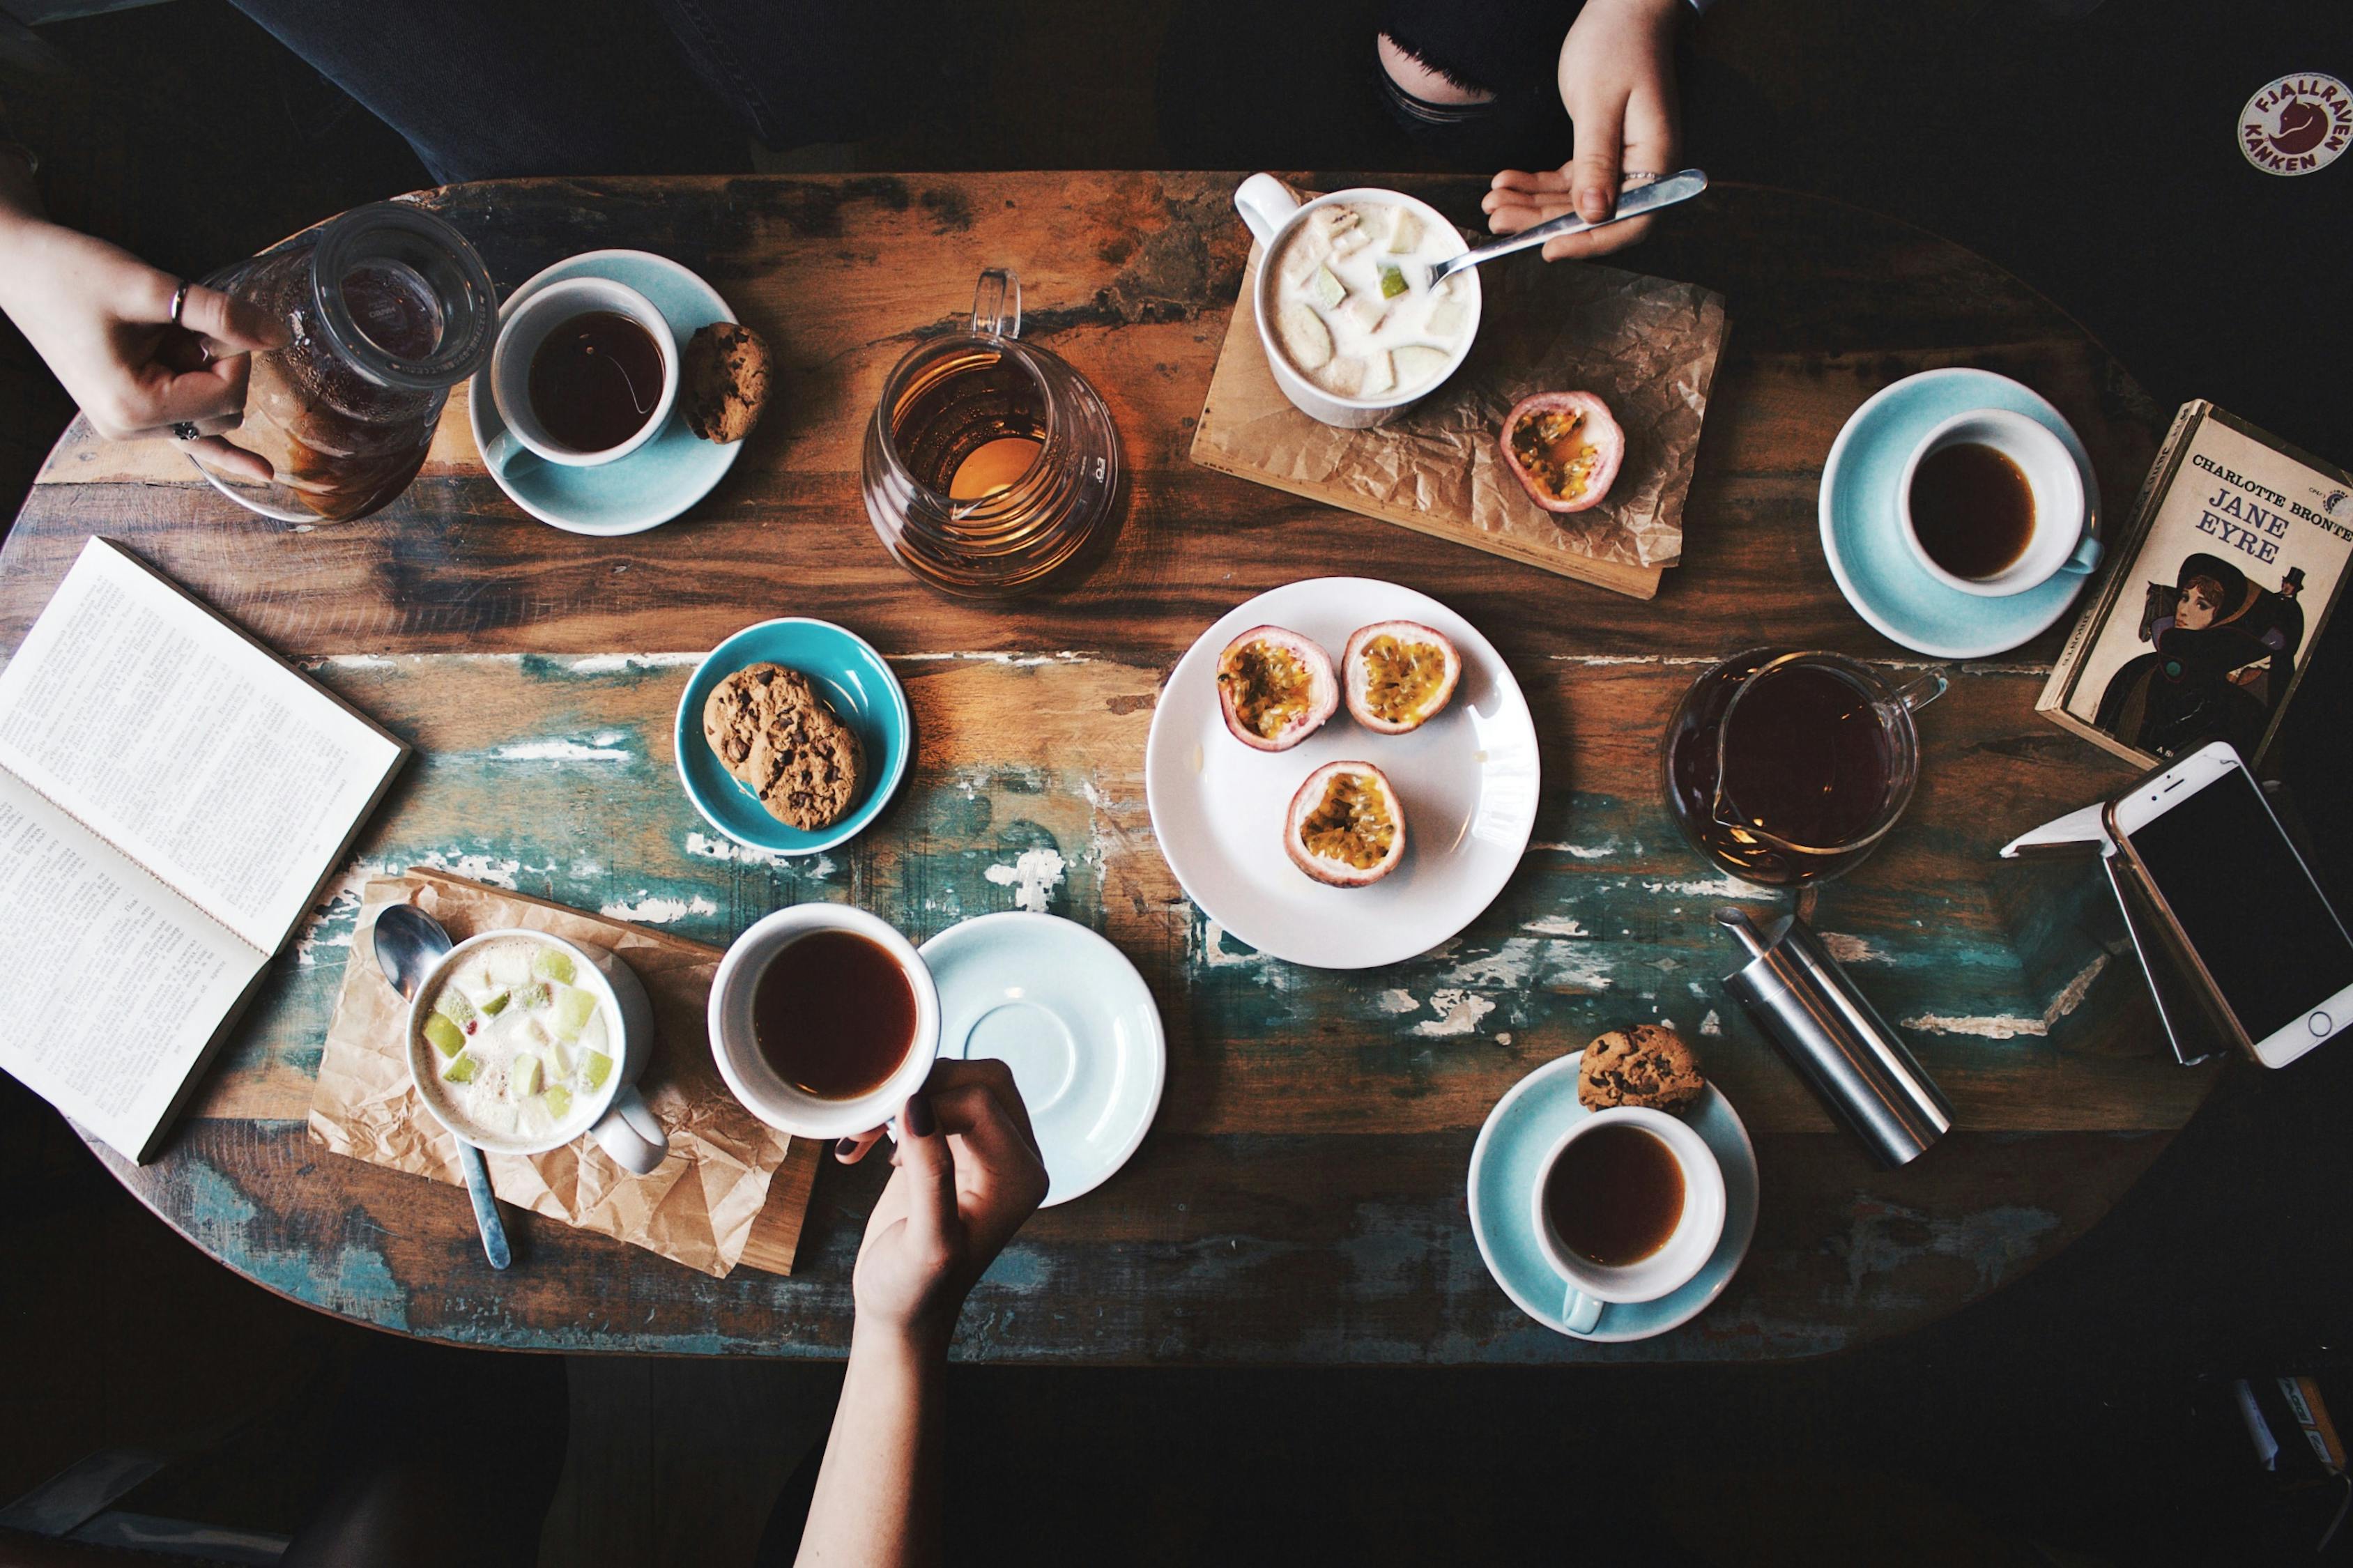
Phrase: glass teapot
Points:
(1789, 768)
(385, 309)
(989, 463)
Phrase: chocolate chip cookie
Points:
(724, 383)
(1646, 1065)
(772, 730)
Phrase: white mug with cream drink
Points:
(521, 1041)
(1353, 330)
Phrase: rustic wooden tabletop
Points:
(1301, 1198)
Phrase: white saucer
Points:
(1468, 780)
(1068, 1013)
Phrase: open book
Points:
(173, 797)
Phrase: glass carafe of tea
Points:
(385, 309)
(1789, 768)
(989, 463)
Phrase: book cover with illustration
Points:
(2221, 581)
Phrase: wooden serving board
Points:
(732, 1190)
(1647, 345)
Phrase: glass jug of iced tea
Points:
(385, 309)
(1789, 768)
(989, 463)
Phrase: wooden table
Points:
(1300, 1197)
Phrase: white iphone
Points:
(2240, 900)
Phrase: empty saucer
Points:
(1068, 1013)
(659, 480)
(1864, 536)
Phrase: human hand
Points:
(1618, 83)
(101, 318)
(967, 1175)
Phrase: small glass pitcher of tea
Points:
(1787, 768)
(385, 309)
(989, 463)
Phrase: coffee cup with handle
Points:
(2059, 538)
(524, 327)
(617, 1116)
(1589, 1286)
(734, 1044)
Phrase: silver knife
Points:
(1633, 203)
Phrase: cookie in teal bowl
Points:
(852, 677)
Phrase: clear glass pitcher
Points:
(1789, 768)
(989, 463)
(385, 309)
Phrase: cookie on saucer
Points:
(1647, 1065)
(725, 382)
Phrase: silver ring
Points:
(184, 430)
(179, 302)
(1637, 177)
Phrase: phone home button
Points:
(2319, 1026)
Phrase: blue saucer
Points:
(1519, 1131)
(1068, 1013)
(1865, 539)
(851, 676)
(660, 479)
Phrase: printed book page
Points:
(112, 987)
(187, 746)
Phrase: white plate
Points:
(1068, 1013)
(1468, 780)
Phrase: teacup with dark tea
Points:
(823, 1020)
(585, 372)
(1629, 1207)
(1991, 503)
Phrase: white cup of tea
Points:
(771, 1072)
(590, 419)
(615, 1114)
(1992, 504)
(1629, 1207)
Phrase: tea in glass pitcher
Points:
(385, 309)
(1789, 768)
(990, 463)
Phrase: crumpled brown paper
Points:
(1646, 346)
(733, 1190)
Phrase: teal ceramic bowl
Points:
(858, 683)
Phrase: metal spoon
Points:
(409, 942)
(1634, 203)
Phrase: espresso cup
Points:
(2061, 539)
(1591, 1286)
(524, 326)
(624, 1126)
(764, 1092)
(1273, 214)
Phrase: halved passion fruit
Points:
(1346, 826)
(1276, 688)
(1564, 448)
(1399, 675)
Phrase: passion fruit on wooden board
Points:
(1345, 827)
(1399, 675)
(1564, 448)
(1275, 687)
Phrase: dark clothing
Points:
(608, 87)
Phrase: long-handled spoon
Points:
(1633, 203)
(409, 942)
